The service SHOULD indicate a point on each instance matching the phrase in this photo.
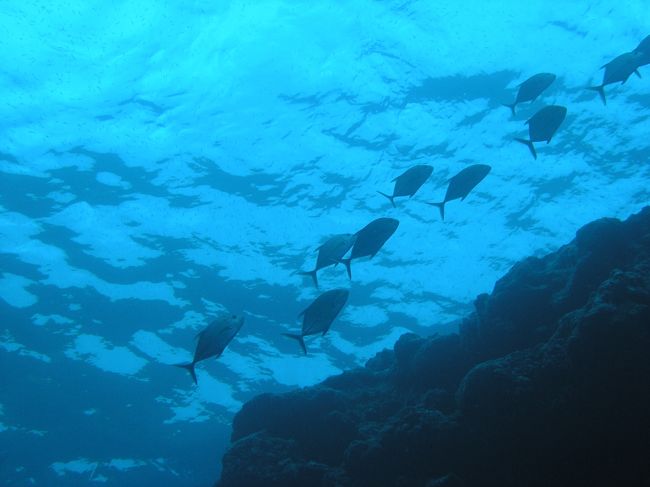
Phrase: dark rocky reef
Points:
(546, 384)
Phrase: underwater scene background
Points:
(163, 163)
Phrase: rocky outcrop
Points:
(546, 384)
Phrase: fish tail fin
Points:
(391, 198)
(346, 262)
(312, 274)
(528, 144)
(441, 208)
(601, 91)
(299, 339)
(511, 106)
(190, 368)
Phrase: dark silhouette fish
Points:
(370, 239)
(617, 70)
(331, 253)
(408, 183)
(462, 183)
(543, 125)
(213, 340)
(530, 89)
(319, 315)
(644, 50)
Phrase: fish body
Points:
(409, 182)
(213, 340)
(618, 70)
(530, 89)
(370, 239)
(319, 315)
(543, 125)
(331, 253)
(644, 50)
(462, 184)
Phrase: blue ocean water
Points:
(162, 163)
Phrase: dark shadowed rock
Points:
(547, 383)
(260, 460)
(450, 480)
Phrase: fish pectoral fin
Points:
(511, 106)
(390, 198)
(636, 71)
(601, 91)
(528, 144)
(190, 368)
(440, 206)
(299, 339)
(312, 274)
(348, 268)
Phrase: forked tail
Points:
(190, 368)
(299, 339)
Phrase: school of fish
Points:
(369, 240)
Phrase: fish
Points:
(319, 315)
(330, 253)
(370, 239)
(213, 340)
(462, 184)
(530, 89)
(408, 183)
(618, 69)
(644, 50)
(543, 125)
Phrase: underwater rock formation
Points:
(546, 383)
